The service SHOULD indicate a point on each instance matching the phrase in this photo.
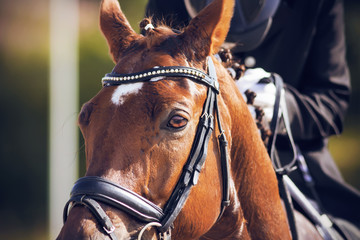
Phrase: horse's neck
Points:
(252, 172)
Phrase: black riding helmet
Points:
(251, 21)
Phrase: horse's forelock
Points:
(165, 40)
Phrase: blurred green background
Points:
(24, 103)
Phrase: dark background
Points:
(24, 104)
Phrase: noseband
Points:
(88, 191)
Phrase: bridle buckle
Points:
(109, 231)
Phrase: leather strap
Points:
(225, 167)
(279, 169)
(287, 188)
(99, 189)
(116, 196)
(111, 79)
(224, 158)
(96, 210)
(196, 159)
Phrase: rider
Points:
(302, 41)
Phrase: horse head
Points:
(140, 131)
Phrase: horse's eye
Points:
(177, 122)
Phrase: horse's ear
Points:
(209, 28)
(115, 28)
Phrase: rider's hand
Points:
(256, 80)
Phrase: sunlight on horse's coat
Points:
(121, 91)
(193, 89)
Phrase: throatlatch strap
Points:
(225, 168)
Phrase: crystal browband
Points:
(111, 79)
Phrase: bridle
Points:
(90, 190)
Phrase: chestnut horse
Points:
(139, 135)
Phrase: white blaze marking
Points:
(122, 91)
(155, 79)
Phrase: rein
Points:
(287, 188)
(87, 191)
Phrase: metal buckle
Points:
(205, 115)
(165, 235)
(151, 224)
(109, 231)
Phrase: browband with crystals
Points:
(89, 190)
(111, 79)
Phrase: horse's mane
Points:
(165, 35)
(229, 61)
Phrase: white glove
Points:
(265, 92)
